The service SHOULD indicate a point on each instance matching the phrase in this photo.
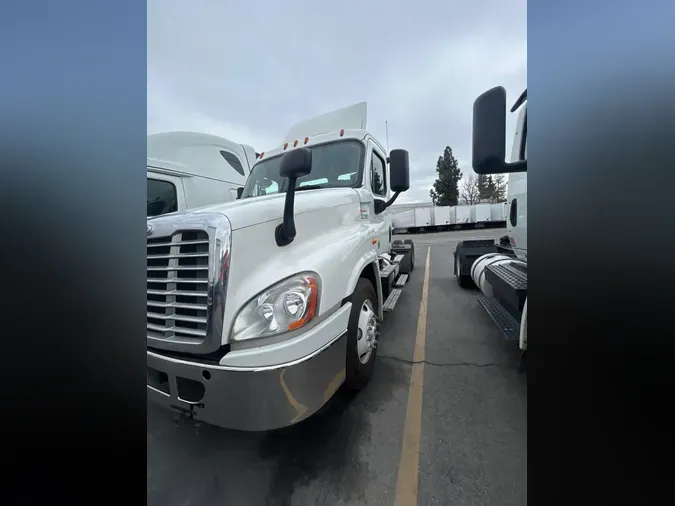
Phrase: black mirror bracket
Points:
(285, 231)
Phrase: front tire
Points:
(362, 335)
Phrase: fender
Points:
(370, 258)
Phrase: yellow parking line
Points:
(406, 485)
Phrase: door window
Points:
(162, 197)
(378, 183)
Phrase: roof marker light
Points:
(295, 142)
(342, 132)
(285, 145)
(306, 140)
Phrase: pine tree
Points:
(491, 190)
(483, 186)
(499, 194)
(445, 191)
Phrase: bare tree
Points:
(469, 193)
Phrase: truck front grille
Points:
(178, 283)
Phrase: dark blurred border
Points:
(72, 145)
(72, 152)
(601, 237)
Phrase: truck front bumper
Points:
(251, 399)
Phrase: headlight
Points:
(286, 306)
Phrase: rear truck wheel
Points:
(462, 280)
(408, 241)
(362, 334)
(412, 253)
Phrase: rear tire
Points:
(462, 280)
(359, 367)
(412, 253)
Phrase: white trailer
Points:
(403, 221)
(442, 216)
(480, 214)
(423, 217)
(462, 216)
(452, 212)
(497, 212)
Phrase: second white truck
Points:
(187, 170)
(258, 310)
(499, 270)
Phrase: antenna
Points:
(386, 129)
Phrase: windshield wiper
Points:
(310, 187)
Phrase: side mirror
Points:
(296, 163)
(489, 134)
(399, 170)
(240, 192)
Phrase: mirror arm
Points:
(285, 231)
(391, 200)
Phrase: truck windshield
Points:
(334, 165)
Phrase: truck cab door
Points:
(517, 192)
(166, 194)
(377, 184)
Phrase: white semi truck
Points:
(258, 310)
(499, 270)
(187, 170)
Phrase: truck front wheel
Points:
(362, 335)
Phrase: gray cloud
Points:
(246, 70)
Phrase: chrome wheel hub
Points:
(368, 332)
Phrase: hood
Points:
(254, 210)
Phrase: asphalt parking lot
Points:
(456, 435)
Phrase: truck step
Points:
(506, 323)
(513, 277)
(392, 299)
(384, 273)
(401, 281)
(397, 259)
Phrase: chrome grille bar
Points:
(187, 270)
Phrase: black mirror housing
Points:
(240, 192)
(399, 170)
(489, 132)
(296, 163)
(489, 135)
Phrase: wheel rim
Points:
(367, 332)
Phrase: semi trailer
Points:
(258, 310)
(499, 270)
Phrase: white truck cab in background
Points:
(500, 270)
(259, 309)
(187, 170)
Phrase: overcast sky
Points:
(248, 70)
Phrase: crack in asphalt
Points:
(438, 364)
